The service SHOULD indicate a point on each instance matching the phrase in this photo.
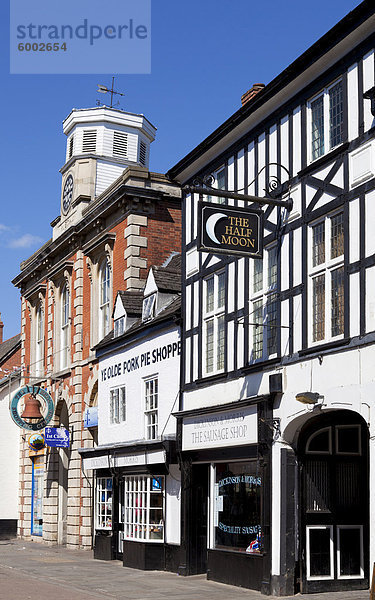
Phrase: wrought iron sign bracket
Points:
(205, 186)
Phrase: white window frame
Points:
(105, 284)
(119, 326)
(39, 341)
(263, 295)
(331, 545)
(326, 121)
(151, 412)
(148, 307)
(214, 318)
(65, 308)
(137, 506)
(117, 405)
(326, 268)
(103, 518)
(338, 552)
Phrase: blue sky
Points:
(205, 55)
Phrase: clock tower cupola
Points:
(101, 143)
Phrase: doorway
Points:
(199, 521)
(334, 518)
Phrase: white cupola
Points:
(101, 143)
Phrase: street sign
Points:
(230, 230)
(57, 437)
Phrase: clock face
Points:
(67, 194)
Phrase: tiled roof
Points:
(9, 346)
(168, 278)
(132, 302)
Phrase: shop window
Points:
(103, 503)
(326, 120)
(151, 408)
(117, 405)
(327, 278)
(237, 507)
(214, 323)
(144, 508)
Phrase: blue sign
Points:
(91, 417)
(57, 437)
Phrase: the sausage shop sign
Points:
(230, 230)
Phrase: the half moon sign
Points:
(211, 224)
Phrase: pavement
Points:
(32, 570)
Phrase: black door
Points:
(333, 452)
(199, 504)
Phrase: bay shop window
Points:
(144, 508)
(236, 492)
(103, 508)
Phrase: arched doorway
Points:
(334, 503)
(63, 470)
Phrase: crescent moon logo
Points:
(211, 224)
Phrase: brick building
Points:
(114, 214)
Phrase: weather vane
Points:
(104, 90)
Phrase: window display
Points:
(104, 503)
(144, 508)
(237, 512)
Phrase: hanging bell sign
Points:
(31, 408)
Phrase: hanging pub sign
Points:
(31, 408)
(230, 230)
(57, 437)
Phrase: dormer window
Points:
(148, 310)
(89, 141)
(119, 326)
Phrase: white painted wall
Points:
(9, 457)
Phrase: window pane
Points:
(209, 295)
(317, 128)
(350, 551)
(220, 290)
(209, 346)
(318, 244)
(320, 552)
(238, 488)
(257, 318)
(320, 442)
(258, 275)
(272, 267)
(337, 302)
(335, 115)
(337, 235)
(220, 342)
(348, 440)
(272, 324)
(220, 177)
(318, 307)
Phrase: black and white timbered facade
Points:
(276, 421)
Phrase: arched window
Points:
(104, 299)
(39, 338)
(65, 301)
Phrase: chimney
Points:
(249, 95)
(1, 330)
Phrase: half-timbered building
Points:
(276, 421)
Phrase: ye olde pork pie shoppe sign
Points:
(229, 230)
(216, 430)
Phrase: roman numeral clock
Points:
(67, 194)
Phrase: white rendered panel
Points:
(273, 151)
(195, 214)
(261, 162)
(370, 223)
(231, 179)
(187, 314)
(241, 173)
(230, 347)
(296, 140)
(241, 283)
(370, 299)
(297, 323)
(354, 230)
(240, 345)
(284, 146)
(187, 359)
(231, 287)
(192, 262)
(285, 262)
(250, 169)
(196, 304)
(354, 304)
(368, 83)
(297, 258)
(195, 357)
(188, 218)
(172, 509)
(353, 102)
